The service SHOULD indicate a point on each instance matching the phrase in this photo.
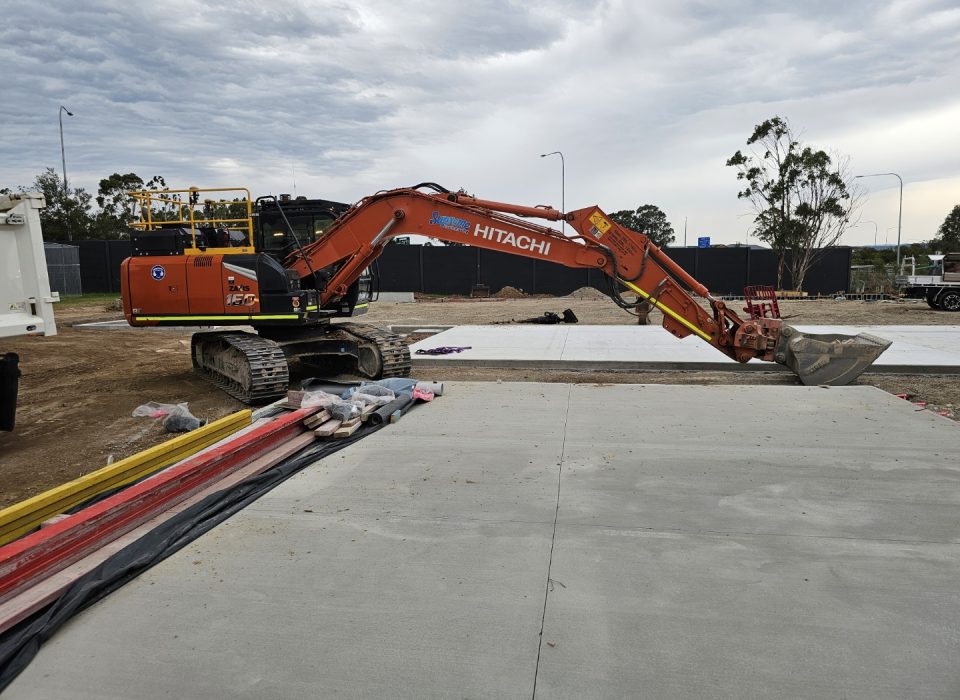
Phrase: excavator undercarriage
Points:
(255, 368)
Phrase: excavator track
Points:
(249, 368)
(394, 351)
(254, 369)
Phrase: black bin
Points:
(9, 380)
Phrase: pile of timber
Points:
(324, 425)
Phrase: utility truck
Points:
(940, 286)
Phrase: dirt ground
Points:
(80, 387)
(599, 310)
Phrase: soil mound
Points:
(587, 293)
(509, 292)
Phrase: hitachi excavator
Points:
(188, 271)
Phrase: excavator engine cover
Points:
(827, 359)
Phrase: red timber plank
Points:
(35, 597)
(32, 558)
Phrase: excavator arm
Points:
(629, 258)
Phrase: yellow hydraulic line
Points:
(667, 310)
(21, 518)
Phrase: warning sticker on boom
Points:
(600, 224)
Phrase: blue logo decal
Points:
(450, 222)
(157, 272)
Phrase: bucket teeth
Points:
(828, 359)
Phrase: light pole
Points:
(63, 155)
(63, 160)
(899, 214)
(563, 185)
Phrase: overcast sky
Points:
(646, 100)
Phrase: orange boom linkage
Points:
(628, 257)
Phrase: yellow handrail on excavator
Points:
(187, 213)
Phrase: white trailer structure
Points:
(26, 302)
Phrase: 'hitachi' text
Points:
(520, 241)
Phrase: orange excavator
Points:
(224, 272)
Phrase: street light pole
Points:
(899, 214)
(63, 155)
(563, 185)
(63, 160)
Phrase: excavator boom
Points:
(629, 258)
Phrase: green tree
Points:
(802, 199)
(235, 209)
(116, 205)
(948, 235)
(649, 220)
(67, 215)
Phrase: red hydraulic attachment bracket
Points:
(761, 302)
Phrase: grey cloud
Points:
(356, 92)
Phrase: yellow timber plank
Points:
(23, 517)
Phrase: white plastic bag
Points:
(176, 416)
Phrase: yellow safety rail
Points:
(23, 517)
(191, 208)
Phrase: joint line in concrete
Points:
(553, 539)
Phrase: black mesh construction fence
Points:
(458, 269)
(100, 264)
(63, 268)
(724, 271)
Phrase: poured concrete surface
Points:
(673, 541)
(396, 297)
(920, 348)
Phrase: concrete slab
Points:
(396, 297)
(673, 541)
(915, 348)
(659, 614)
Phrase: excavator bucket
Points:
(830, 359)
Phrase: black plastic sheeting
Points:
(20, 644)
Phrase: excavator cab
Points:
(309, 219)
(283, 224)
